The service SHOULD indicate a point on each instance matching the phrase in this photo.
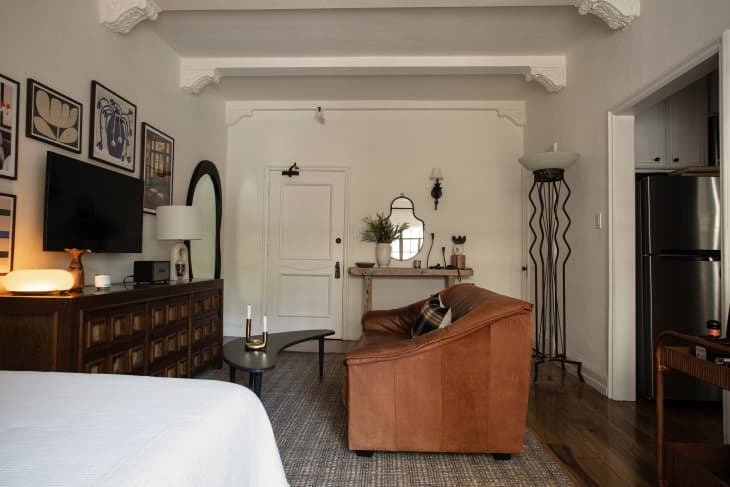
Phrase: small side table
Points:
(255, 362)
(689, 464)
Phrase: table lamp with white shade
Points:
(178, 222)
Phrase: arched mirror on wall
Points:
(411, 240)
(204, 193)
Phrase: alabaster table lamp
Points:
(179, 223)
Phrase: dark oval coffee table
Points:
(255, 362)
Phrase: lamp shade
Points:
(178, 222)
(548, 160)
(32, 281)
(436, 174)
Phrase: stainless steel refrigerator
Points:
(678, 272)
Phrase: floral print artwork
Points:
(55, 120)
(53, 117)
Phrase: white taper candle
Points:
(248, 312)
(265, 323)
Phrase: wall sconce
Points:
(436, 191)
(38, 281)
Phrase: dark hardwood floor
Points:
(608, 443)
(598, 442)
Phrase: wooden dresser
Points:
(172, 330)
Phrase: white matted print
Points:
(7, 232)
(113, 128)
(9, 100)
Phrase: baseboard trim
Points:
(591, 377)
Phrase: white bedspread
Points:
(59, 429)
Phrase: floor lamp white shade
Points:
(179, 222)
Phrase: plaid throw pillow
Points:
(433, 315)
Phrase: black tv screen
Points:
(88, 207)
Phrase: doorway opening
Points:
(638, 127)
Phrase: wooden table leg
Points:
(367, 285)
(232, 374)
(321, 357)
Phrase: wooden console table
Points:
(367, 274)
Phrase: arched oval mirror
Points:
(204, 193)
(411, 240)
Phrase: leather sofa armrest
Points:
(397, 321)
(385, 352)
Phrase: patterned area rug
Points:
(311, 430)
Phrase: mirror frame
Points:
(413, 210)
(207, 167)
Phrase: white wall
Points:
(603, 73)
(62, 45)
(388, 153)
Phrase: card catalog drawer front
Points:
(105, 326)
(198, 333)
(182, 368)
(165, 313)
(157, 349)
(97, 366)
(97, 331)
(196, 358)
(120, 363)
(206, 303)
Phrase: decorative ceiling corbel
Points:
(121, 16)
(618, 14)
(552, 78)
(194, 80)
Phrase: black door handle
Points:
(337, 270)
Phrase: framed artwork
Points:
(53, 117)
(9, 101)
(7, 232)
(158, 151)
(113, 128)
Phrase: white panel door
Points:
(305, 267)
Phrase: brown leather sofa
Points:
(462, 388)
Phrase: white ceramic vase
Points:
(382, 254)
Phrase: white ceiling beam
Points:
(121, 16)
(197, 73)
(192, 5)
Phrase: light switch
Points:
(598, 220)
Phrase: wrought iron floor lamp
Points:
(549, 251)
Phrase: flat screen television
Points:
(89, 207)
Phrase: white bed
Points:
(59, 429)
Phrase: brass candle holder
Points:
(254, 343)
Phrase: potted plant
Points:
(382, 231)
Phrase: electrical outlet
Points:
(598, 221)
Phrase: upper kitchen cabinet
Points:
(651, 137)
(673, 133)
